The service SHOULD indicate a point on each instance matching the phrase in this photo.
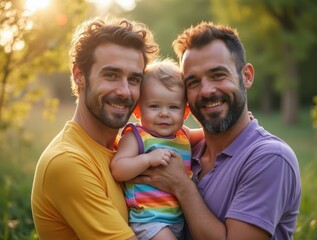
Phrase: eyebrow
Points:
(119, 70)
(188, 78)
(109, 68)
(216, 69)
(139, 74)
(209, 71)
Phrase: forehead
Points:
(126, 59)
(212, 55)
(152, 87)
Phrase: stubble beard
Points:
(213, 123)
(96, 107)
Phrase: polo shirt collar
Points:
(233, 147)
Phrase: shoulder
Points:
(274, 148)
(255, 142)
(134, 128)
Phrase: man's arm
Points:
(202, 223)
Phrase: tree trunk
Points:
(267, 96)
(290, 106)
(290, 91)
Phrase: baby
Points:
(162, 109)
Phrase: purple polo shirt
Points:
(256, 179)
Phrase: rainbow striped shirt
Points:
(147, 203)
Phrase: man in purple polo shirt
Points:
(246, 182)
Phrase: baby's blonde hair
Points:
(167, 71)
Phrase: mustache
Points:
(120, 101)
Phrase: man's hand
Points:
(166, 178)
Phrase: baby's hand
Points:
(159, 157)
(250, 115)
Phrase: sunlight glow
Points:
(6, 36)
(34, 5)
(18, 45)
(127, 5)
(8, 40)
(103, 4)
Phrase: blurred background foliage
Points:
(280, 37)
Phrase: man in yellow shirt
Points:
(74, 195)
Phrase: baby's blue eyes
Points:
(174, 107)
(157, 107)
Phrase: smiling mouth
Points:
(213, 104)
(118, 106)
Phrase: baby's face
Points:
(162, 109)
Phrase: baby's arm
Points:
(128, 163)
(194, 134)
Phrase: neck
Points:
(102, 134)
(216, 143)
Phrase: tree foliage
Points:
(280, 36)
(31, 43)
(168, 18)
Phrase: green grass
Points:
(21, 148)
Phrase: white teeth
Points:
(117, 106)
(210, 105)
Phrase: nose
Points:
(163, 112)
(207, 87)
(123, 89)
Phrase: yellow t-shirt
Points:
(74, 195)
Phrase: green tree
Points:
(31, 43)
(280, 35)
(168, 18)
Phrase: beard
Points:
(96, 106)
(213, 123)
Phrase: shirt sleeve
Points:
(78, 193)
(265, 190)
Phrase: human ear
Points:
(187, 111)
(78, 76)
(136, 112)
(248, 75)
